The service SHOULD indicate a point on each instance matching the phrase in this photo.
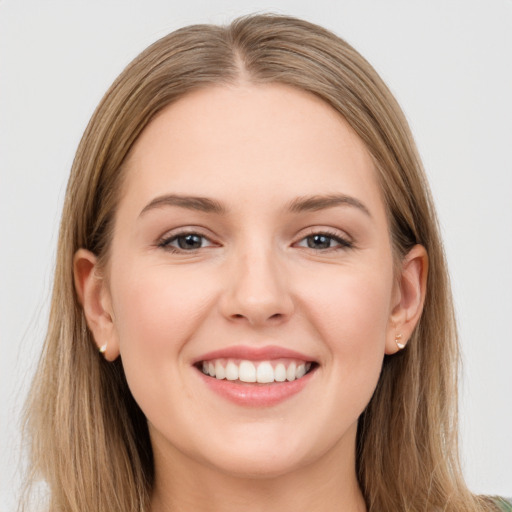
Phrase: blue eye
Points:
(189, 242)
(323, 241)
(184, 242)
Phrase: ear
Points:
(94, 295)
(408, 299)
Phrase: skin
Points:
(255, 281)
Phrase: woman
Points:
(249, 242)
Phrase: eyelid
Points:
(343, 239)
(164, 241)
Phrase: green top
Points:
(504, 504)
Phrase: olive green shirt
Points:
(504, 504)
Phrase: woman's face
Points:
(251, 240)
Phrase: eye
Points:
(324, 241)
(184, 242)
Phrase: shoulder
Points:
(503, 504)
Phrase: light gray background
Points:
(448, 62)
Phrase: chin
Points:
(258, 466)
(263, 453)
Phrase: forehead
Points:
(264, 141)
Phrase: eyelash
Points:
(165, 242)
(343, 242)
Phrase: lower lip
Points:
(253, 394)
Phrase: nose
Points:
(257, 290)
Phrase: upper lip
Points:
(264, 353)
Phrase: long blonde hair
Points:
(89, 439)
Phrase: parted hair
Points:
(89, 440)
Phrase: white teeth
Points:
(280, 373)
(247, 372)
(220, 372)
(231, 371)
(263, 372)
(290, 373)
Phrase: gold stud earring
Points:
(103, 348)
(400, 346)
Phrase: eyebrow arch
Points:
(297, 205)
(314, 203)
(202, 204)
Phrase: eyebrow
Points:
(202, 204)
(317, 202)
(297, 205)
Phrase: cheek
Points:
(157, 309)
(351, 312)
(349, 301)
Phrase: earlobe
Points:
(94, 297)
(410, 297)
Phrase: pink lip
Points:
(254, 394)
(254, 354)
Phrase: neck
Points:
(326, 485)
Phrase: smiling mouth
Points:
(261, 372)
